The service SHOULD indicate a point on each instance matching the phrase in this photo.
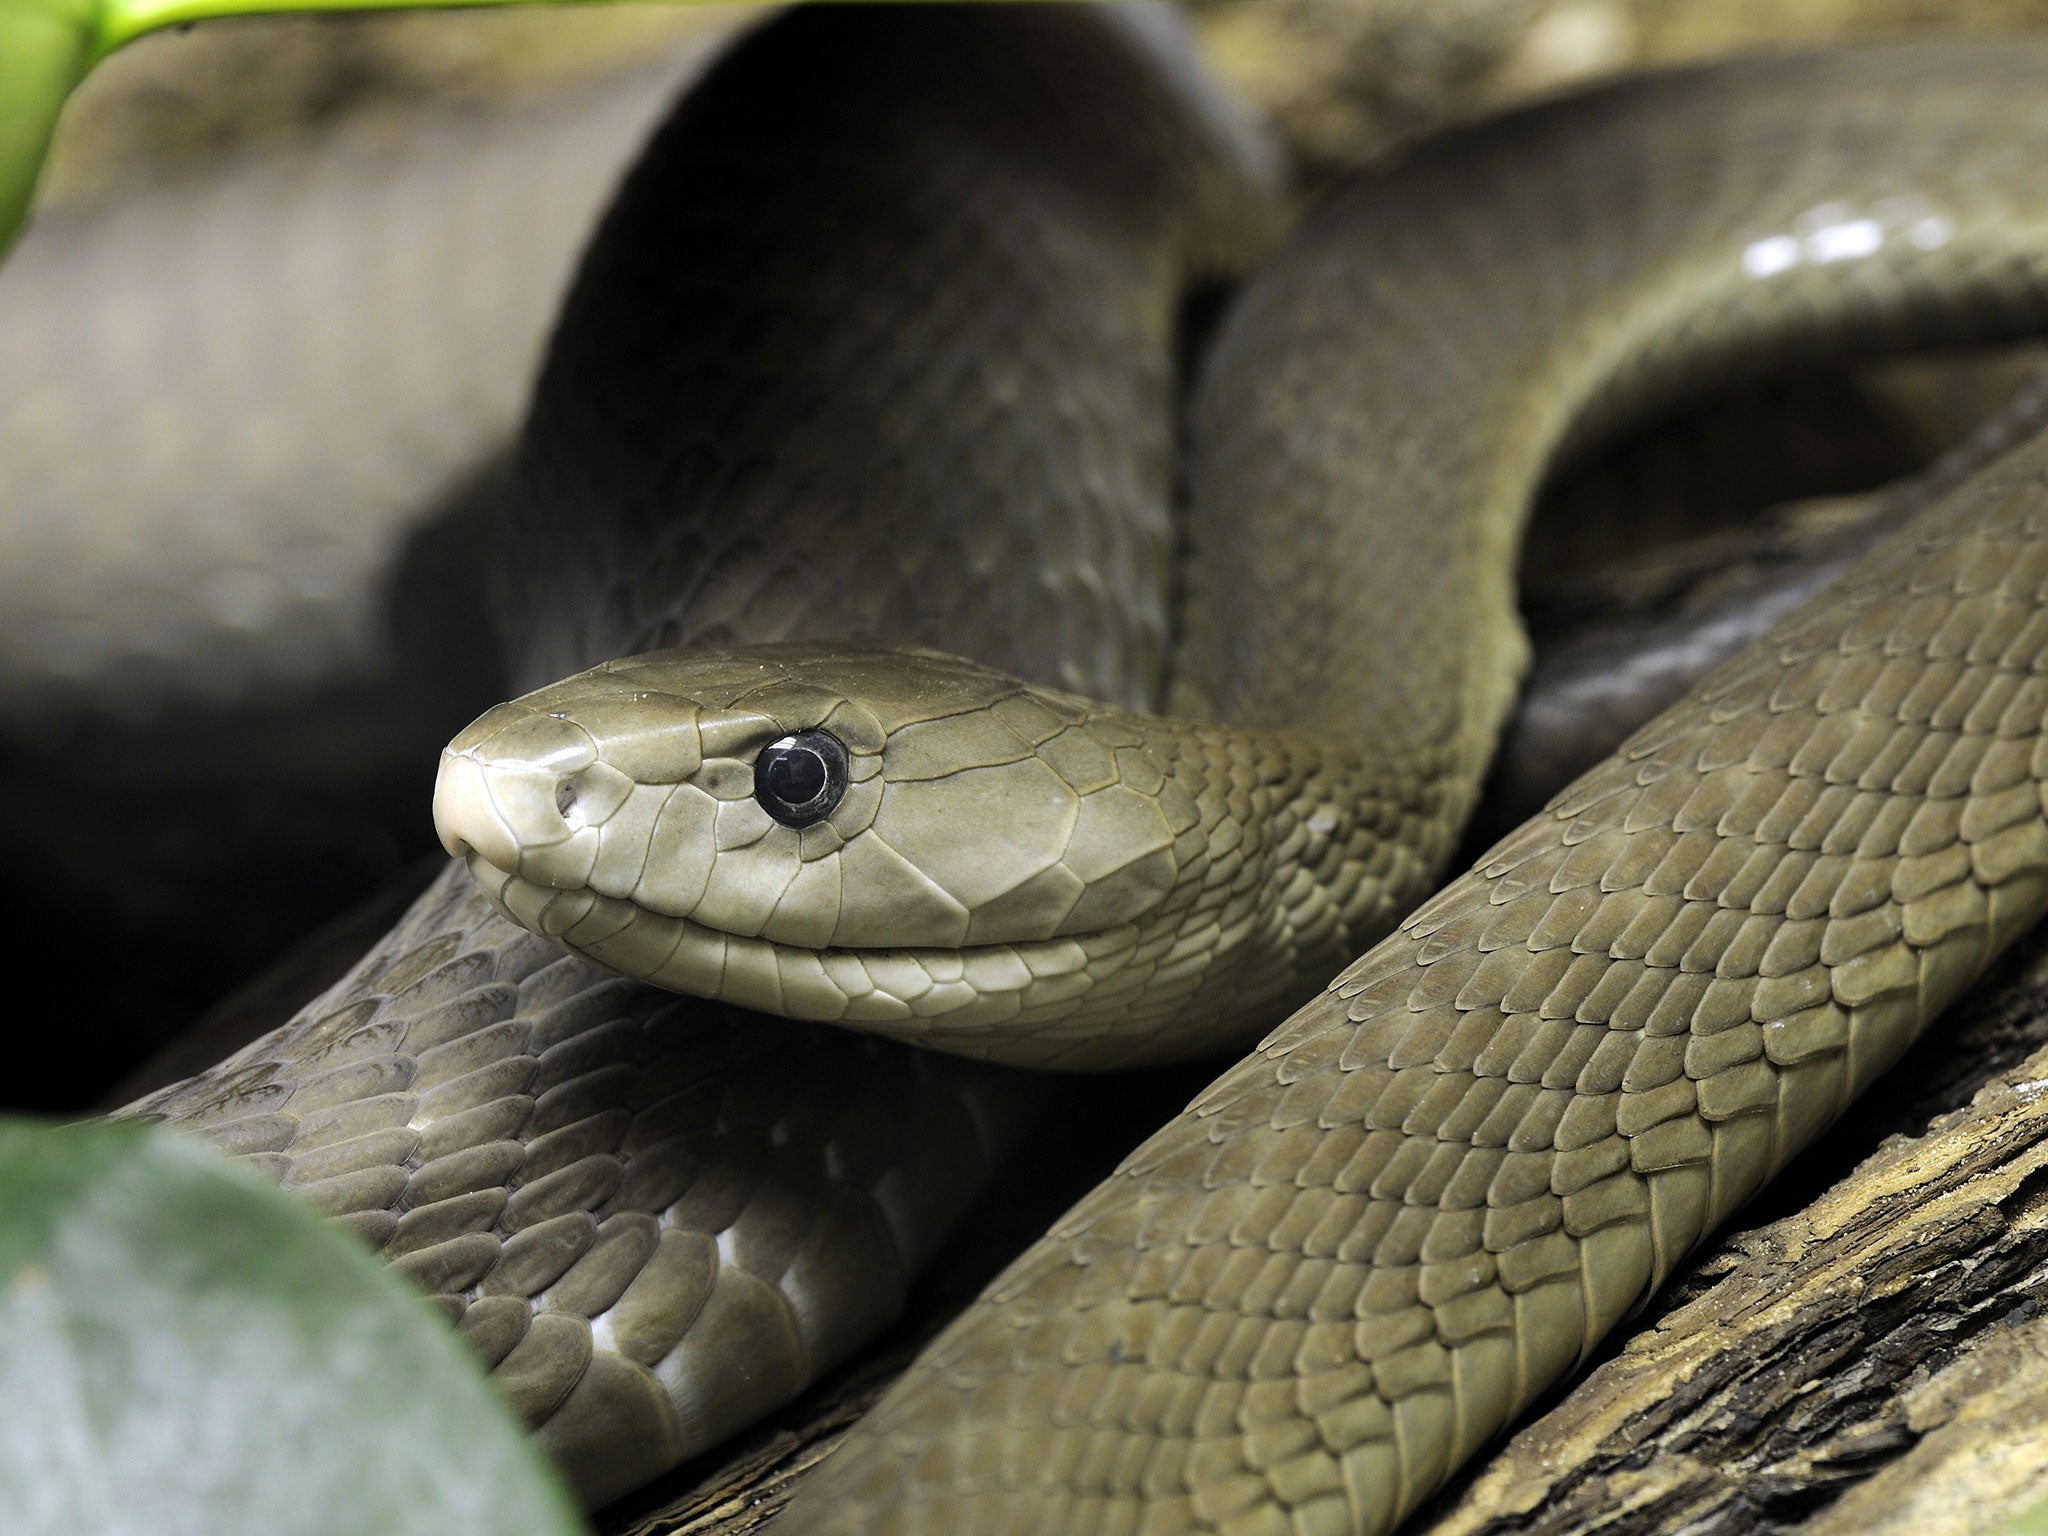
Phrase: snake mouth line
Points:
(901, 990)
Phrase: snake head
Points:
(788, 827)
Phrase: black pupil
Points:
(801, 779)
(796, 774)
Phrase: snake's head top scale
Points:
(855, 835)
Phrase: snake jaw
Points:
(1041, 1004)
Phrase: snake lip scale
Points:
(938, 283)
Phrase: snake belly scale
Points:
(1366, 1247)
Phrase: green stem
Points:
(126, 20)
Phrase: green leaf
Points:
(185, 1351)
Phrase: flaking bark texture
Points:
(1866, 1355)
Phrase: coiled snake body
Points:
(1426, 1194)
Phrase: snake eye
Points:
(800, 779)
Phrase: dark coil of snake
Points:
(657, 1218)
(880, 344)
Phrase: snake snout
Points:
(507, 785)
(463, 818)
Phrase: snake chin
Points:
(1039, 1003)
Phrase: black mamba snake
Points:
(942, 292)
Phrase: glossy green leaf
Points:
(185, 1351)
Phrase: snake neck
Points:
(1380, 409)
(1287, 854)
(1292, 853)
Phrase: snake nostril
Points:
(565, 799)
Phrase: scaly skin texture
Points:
(655, 1220)
(1603, 675)
(898, 366)
(1429, 1193)
(1365, 1248)
(658, 1218)
(1372, 426)
(1361, 1251)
